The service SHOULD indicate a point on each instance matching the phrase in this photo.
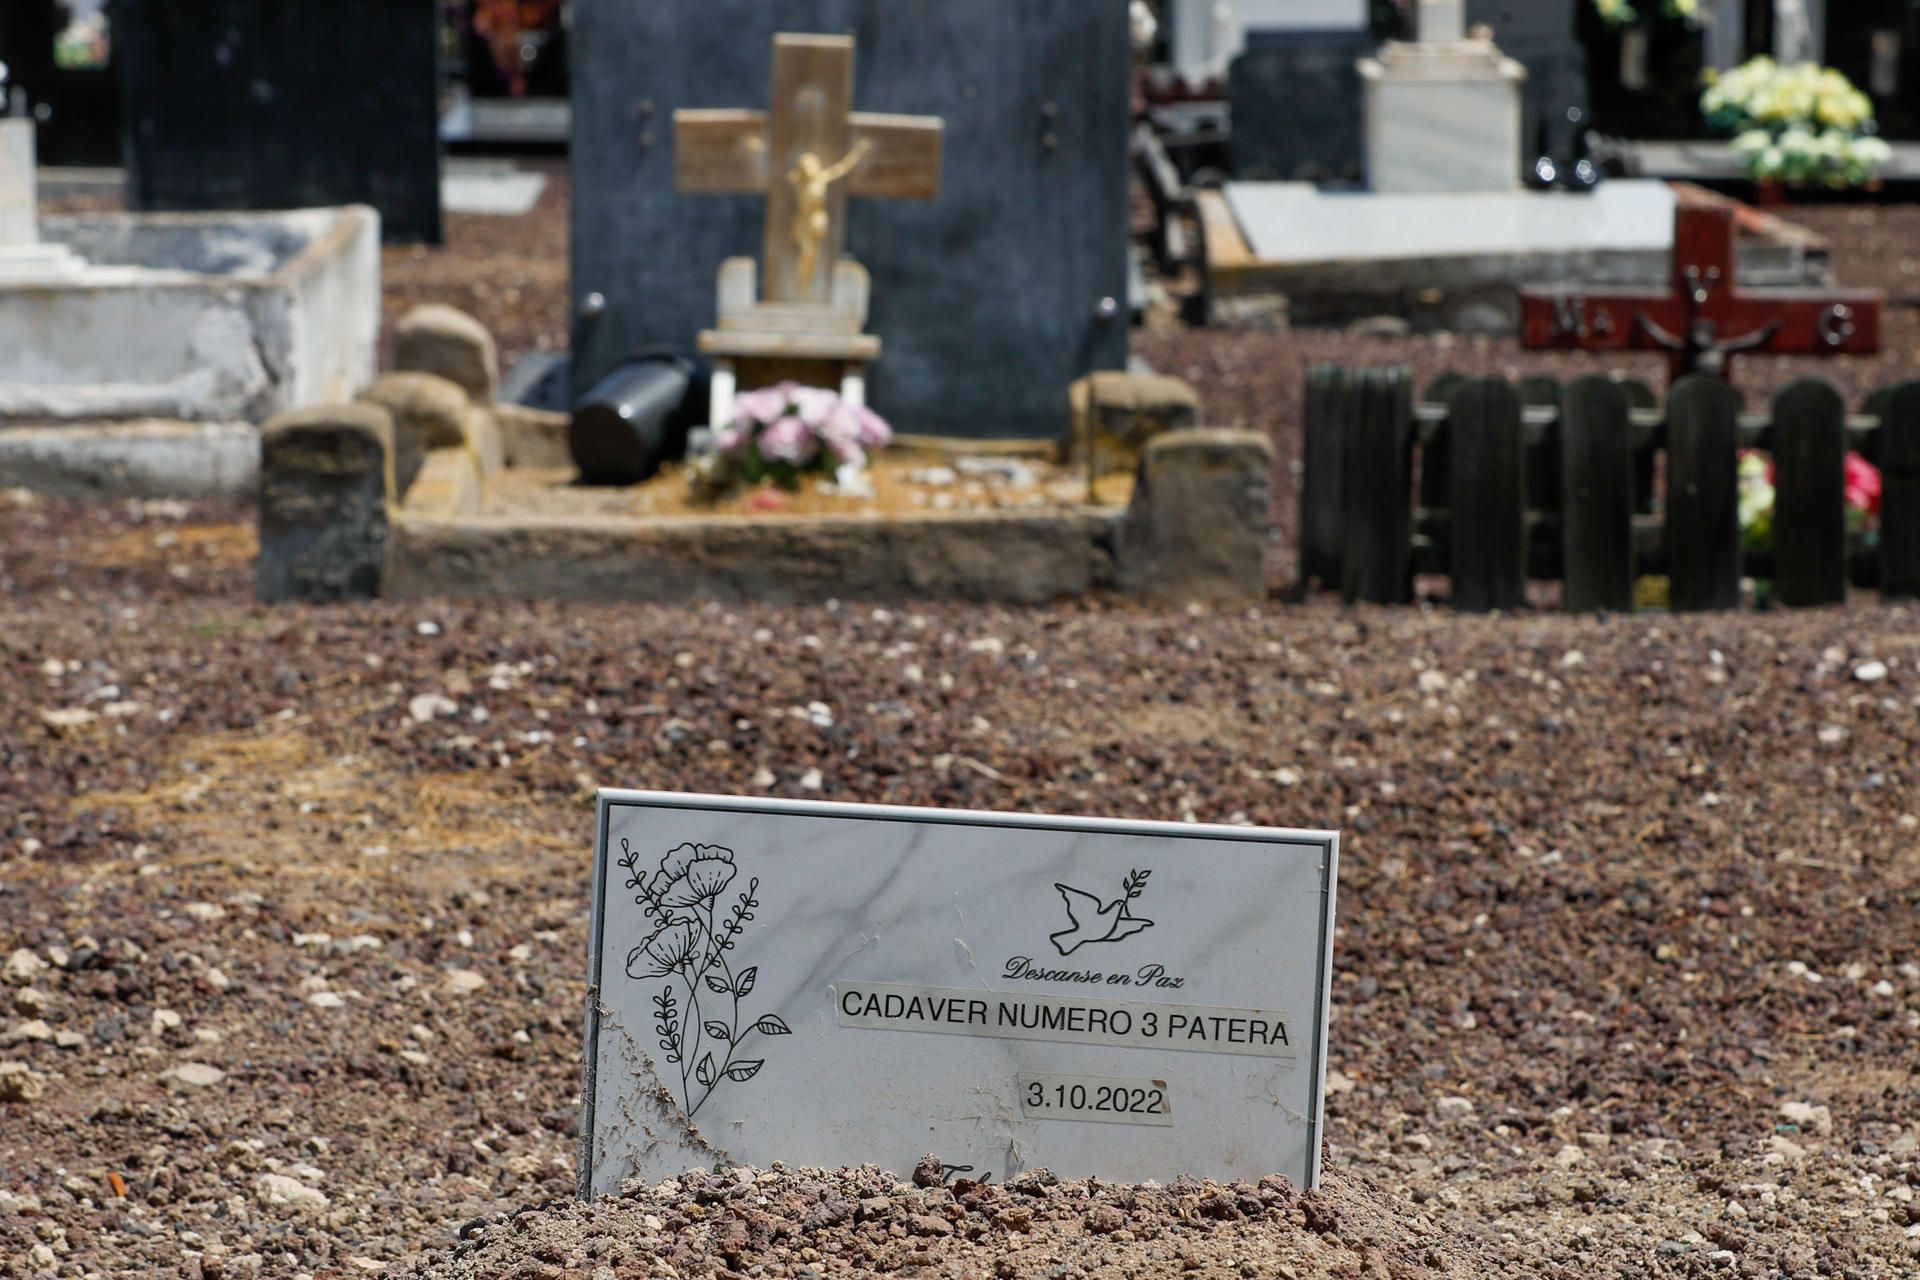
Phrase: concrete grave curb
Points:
(147, 459)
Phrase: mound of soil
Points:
(817, 1222)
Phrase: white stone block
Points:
(1443, 118)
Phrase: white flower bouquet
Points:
(1803, 124)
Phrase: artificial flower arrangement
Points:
(1796, 124)
(1756, 497)
(782, 433)
(1618, 13)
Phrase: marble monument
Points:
(1443, 113)
(830, 984)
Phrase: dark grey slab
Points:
(236, 104)
(985, 297)
(1296, 102)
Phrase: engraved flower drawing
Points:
(692, 875)
(672, 948)
(697, 1012)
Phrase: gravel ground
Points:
(291, 965)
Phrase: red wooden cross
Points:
(1707, 319)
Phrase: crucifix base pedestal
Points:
(760, 343)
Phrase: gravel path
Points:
(291, 959)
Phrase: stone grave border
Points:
(368, 507)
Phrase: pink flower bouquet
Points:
(783, 432)
(1860, 485)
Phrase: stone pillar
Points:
(326, 475)
(18, 218)
(1197, 529)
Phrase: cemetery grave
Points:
(360, 886)
(428, 486)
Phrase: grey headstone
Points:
(1197, 529)
(1002, 273)
(324, 477)
(1297, 105)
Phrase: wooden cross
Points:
(1706, 320)
(807, 157)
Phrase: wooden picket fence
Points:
(1593, 484)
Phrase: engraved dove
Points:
(1094, 921)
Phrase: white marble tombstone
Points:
(1209, 34)
(831, 984)
(23, 258)
(1444, 113)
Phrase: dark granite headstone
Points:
(1297, 105)
(1541, 35)
(238, 104)
(986, 297)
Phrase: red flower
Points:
(1863, 485)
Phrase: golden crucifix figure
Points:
(811, 181)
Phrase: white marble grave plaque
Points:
(831, 984)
